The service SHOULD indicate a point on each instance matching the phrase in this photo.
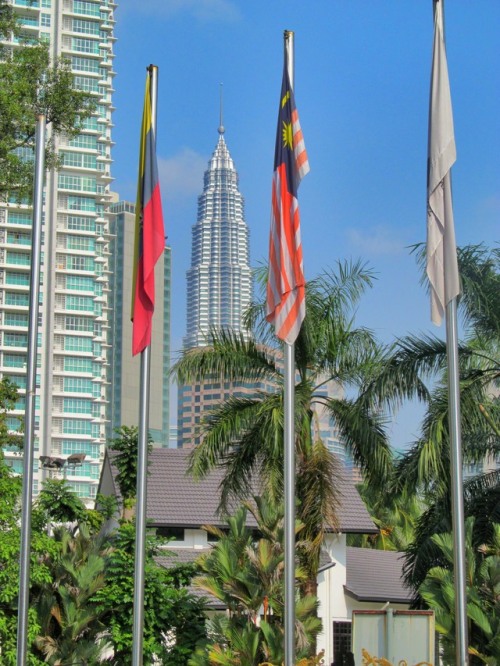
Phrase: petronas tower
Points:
(219, 282)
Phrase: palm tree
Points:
(245, 572)
(483, 587)
(245, 434)
(71, 630)
(416, 368)
(396, 516)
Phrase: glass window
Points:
(86, 83)
(82, 183)
(79, 283)
(15, 319)
(81, 160)
(77, 385)
(78, 324)
(84, 45)
(79, 63)
(14, 360)
(77, 406)
(79, 263)
(76, 364)
(84, 141)
(79, 303)
(88, 8)
(85, 27)
(19, 237)
(89, 123)
(69, 446)
(17, 278)
(18, 258)
(81, 203)
(16, 298)
(76, 343)
(19, 218)
(76, 427)
(15, 339)
(82, 243)
(80, 223)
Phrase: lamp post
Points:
(51, 462)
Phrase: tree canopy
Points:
(31, 83)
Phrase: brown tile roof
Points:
(376, 575)
(175, 499)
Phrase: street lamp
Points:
(58, 464)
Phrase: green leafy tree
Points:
(245, 572)
(483, 597)
(396, 516)
(71, 630)
(173, 619)
(30, 84)
(10, 538)
(245, 434)
(59, 503)
(416, 369)
(126, 446)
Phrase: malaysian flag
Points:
(286, 283)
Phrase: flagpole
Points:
(289, 453)
(142, 457)
(29, 413)
(457, 497)
(451, 284)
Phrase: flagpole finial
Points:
(221, 128)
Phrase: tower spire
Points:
(221, 129)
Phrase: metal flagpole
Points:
(456, 470)
(29, 413)
(142, 458)
(457, 497)
(289, 444)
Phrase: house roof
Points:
(376, 575)
(175, 499)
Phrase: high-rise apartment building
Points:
(219, 281)
(74, 320)
(125, 368)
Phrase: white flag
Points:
(442, 265)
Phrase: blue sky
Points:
(362, 72)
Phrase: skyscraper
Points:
(71, 402)
(124, 368)
(219, 281)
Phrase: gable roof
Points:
(175, 499)
(376, 575)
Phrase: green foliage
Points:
(416, 368)
(246, 575)
(126, 448)
(8, 396)
(483, 596)
(330, 350)
(169, 610)
(396, 516)
(59, 503)
(70, 621)
(32, 84)
(106, 505)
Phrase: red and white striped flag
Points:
(286, 284)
